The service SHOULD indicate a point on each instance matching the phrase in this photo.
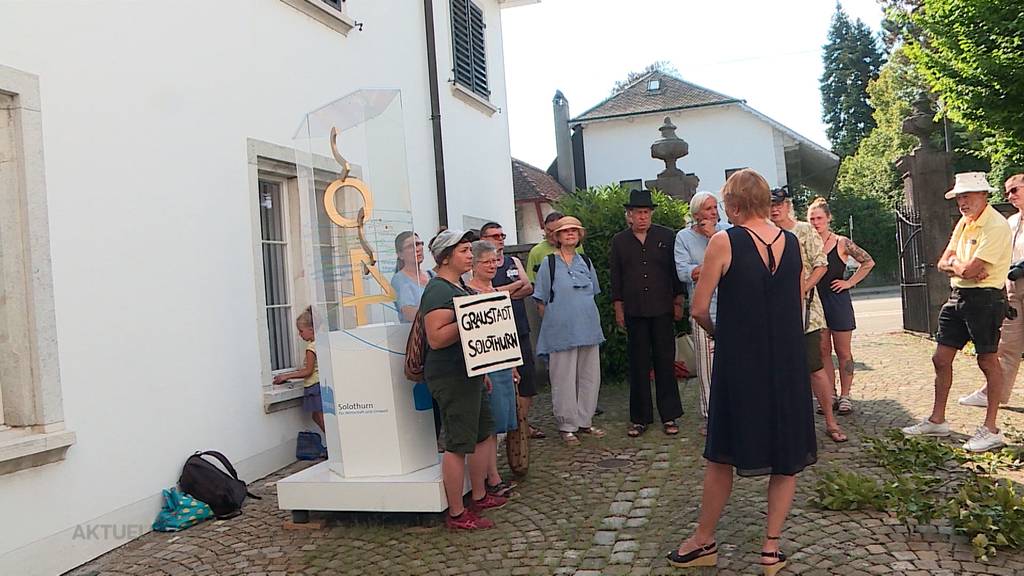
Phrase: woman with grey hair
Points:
(500, 384)
(691, 242)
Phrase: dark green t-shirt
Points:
(446, 361)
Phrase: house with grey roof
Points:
(610, 142)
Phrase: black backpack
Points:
(551, 270)
(207, 483)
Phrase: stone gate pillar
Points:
(927, 175)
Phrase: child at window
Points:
(309, 372)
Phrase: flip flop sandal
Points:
(635, 430)
(837, 435)
(671, 428)
(537, 433)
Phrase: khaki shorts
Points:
(812, 340)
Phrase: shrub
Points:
(600, 209)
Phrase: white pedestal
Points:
(319, 488)
(379, 429)
(382, 451)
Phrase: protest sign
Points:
(487, 329)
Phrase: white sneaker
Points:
(977, 398)
(984, 440)
(927, 428)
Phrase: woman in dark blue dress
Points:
(760, 418)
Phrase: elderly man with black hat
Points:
(976, 260)
(648, 298)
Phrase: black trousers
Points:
(652, 340)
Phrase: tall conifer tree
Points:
(852, 59)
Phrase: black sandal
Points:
(635, 430)
(773, 568)
(670, 427)
(703, 556)
(503, 488)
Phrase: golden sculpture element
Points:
(364, 253)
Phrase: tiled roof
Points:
(673, 94)
(530, 183)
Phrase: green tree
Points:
(663, 66)
(897, 25)
(971, 54)
(868, 187)
(852, 60)
(600, 210)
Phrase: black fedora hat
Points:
(640, 199)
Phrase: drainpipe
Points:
(435, 114)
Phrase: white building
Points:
(612, 139)
(136, 140)
(535, 193)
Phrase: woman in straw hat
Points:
(570, 332)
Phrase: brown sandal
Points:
(537, 433)
(671, 428)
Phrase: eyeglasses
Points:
(1013, 190)
(501, 236)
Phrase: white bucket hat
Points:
(969, 182)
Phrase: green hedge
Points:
(600, 209)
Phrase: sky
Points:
(767, 53)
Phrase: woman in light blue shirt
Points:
(570, 332)
(409, 281)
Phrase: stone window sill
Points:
(473, 99)
(282, 397)
(323, 14)
(31, 446)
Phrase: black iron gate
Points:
(913, 271)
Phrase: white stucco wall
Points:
(147, 108)
(720, 138)
(530, 227)
(475, 142)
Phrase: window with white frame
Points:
(276, 279)
(282, 282)
(32, 429)
(469, 51)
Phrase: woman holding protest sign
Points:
(502, 397)
(465, 411)
(570, 331)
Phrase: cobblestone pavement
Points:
(573, 516)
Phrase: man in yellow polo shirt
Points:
(976, 260)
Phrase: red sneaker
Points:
(489, 501)
(468, 520)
